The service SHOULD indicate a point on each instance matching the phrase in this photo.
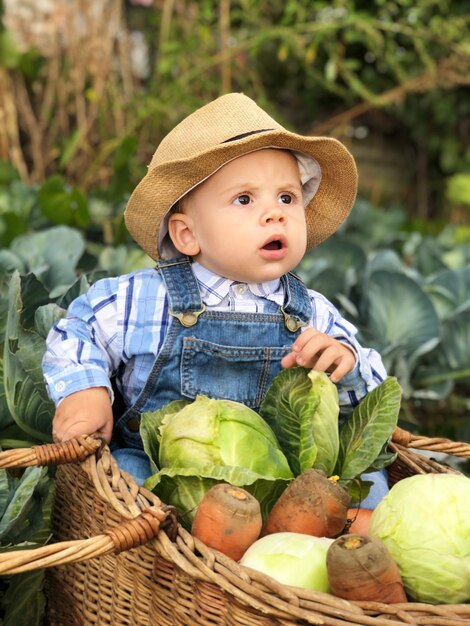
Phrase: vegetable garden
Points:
(77, 131)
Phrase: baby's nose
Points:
(274, 214)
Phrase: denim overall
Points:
(218, 354)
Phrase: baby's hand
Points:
(84, 413)
(321, 352)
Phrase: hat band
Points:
(251, 132)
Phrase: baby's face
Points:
(248, 218)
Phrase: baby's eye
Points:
(286, 198)
(243, 198)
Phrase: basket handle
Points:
(129, 534)
(80, 448)
(436, 444)
(74, 450)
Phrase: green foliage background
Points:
(396, 68)
(77, 133)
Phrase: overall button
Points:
(189, 319)
(292, 324)
(133, 425)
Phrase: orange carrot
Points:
(358, 522)
(312, 504)
(228, 519)
(360, 568)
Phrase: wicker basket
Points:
(119, 556)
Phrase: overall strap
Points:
(297, 309)
(183, 291)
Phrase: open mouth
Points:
(276, 244)
(275, 248)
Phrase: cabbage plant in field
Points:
(25, 510)
(408, 295)
(23, 381)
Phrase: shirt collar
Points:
(215, 288)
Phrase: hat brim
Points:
(165, 184)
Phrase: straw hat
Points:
(219, 132)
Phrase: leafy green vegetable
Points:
(45, 317)
(212, 440)
(17, 522)
(364, 434)
(449, 290)
(302, 408)
(455, 341)
(291, 559)
(52, 255)
(192, 446)
(425, 523)
(25, 391)
(24, 601)
(389, 295)
(25, 513)
(4, 491)
(220, 432)
(184, 487)
(150, 423)
(25, 409)
(6, 419)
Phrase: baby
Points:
(229, 205)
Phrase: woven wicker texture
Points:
(173, 579)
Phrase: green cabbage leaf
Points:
(193, 446)
(302, 408)
(424, 522)
(23, 379)
(364, 435)
(291, 559)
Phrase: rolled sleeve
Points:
(366, 375)
(82, 348)
(62, 383)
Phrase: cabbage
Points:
(220, 432)
(210, 441)
(302, 408)
(425, 523)
(291, 559)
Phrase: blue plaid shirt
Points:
(122, 323)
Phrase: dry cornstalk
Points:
(78, 100)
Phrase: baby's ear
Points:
(180, 229)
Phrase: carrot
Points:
(358, 521)
(360, 568)
(228, 519)
(312, 504)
